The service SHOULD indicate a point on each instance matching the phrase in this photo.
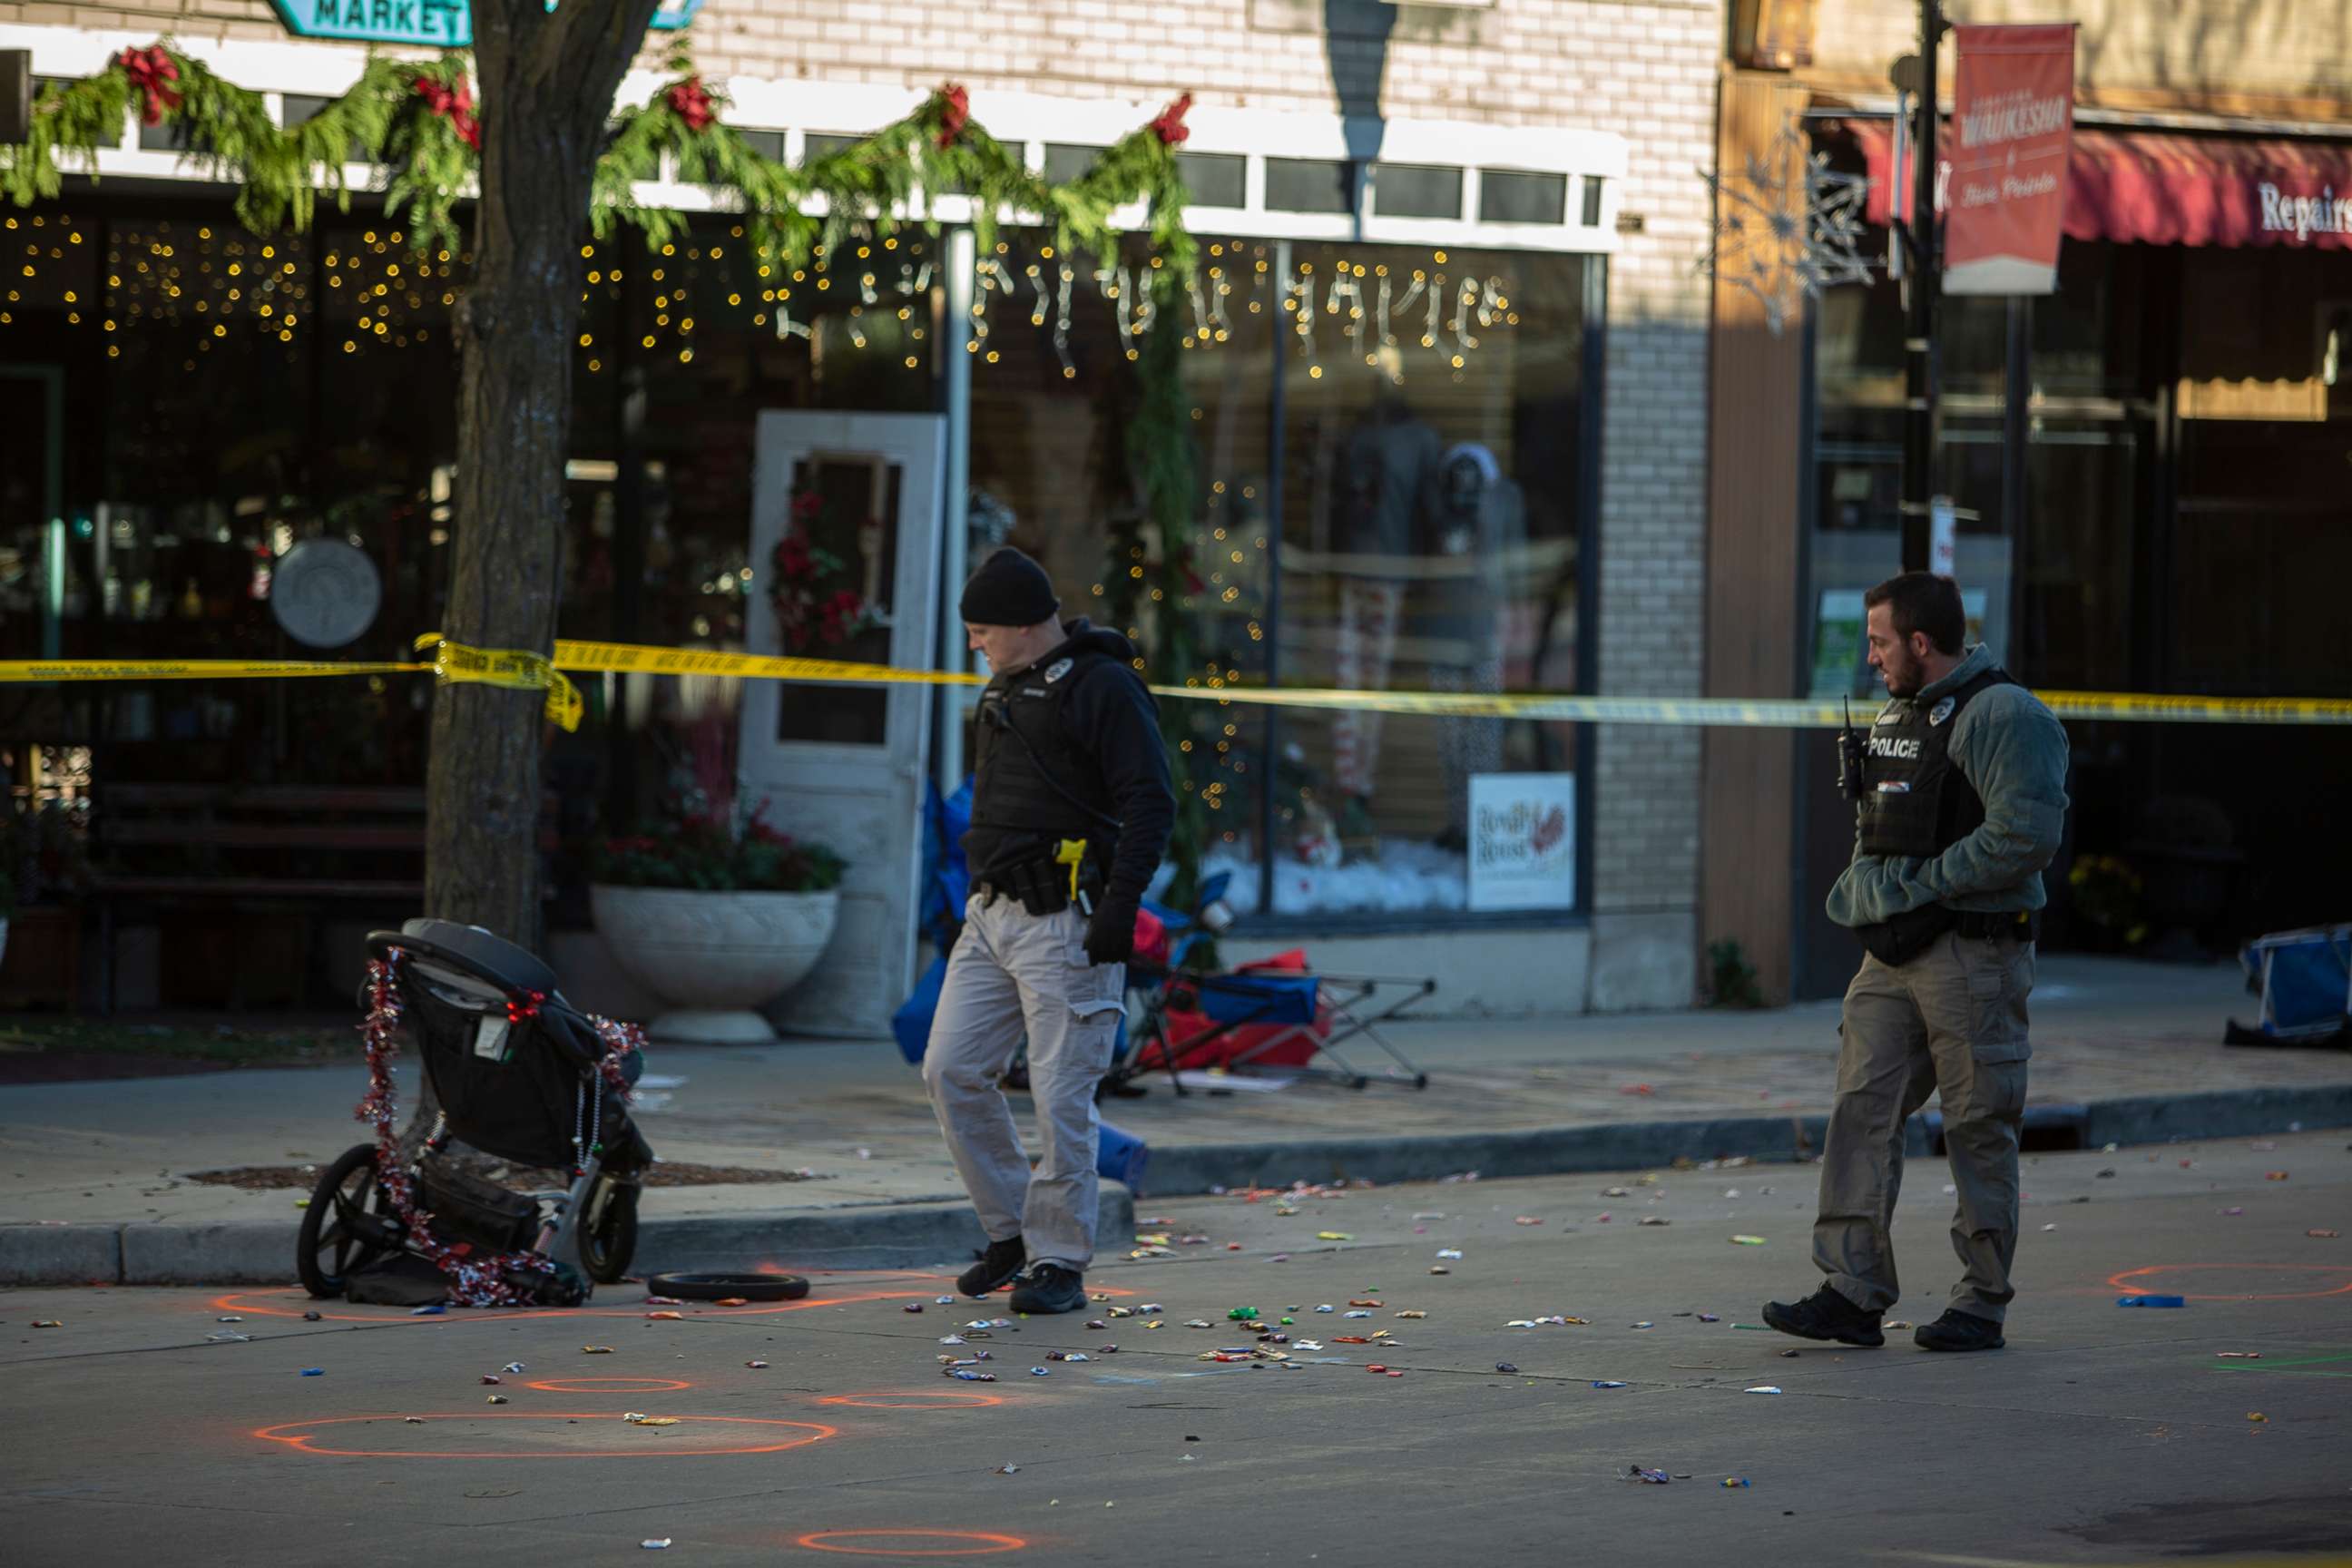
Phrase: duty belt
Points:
(1048, 884)
(2013, 925)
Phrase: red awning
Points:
(2138, 188)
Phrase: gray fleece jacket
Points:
(2012, 752)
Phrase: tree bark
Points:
(548, 80)
(548, 77)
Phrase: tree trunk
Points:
(548, 77)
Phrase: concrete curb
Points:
(1563, 1151)
(914, 1235)
(896, 1236)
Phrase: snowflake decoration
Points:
(1791, 228)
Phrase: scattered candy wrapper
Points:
(232, 1318)
(1654, 1219)
(225, 1337)
(434, 1310)
(964, 1376)
(912, 1307)
(496, 1399)
(595, 1350)
(2275, 1177)
(653, 1420)
(2238, 1355)
(511, 1366)
(1608, 1383)
(1616, 1191)
(314, 1317)
(1452, 1253)
(1765, 1388)
(660, 1543)
(314, 1372)
(1008, 1469)
(2151, 1302)
(1412, 1314)
(664, 1301)
(1357, 1314)
(60, 1323)
(1747, 1241)
(1652, 1478)
(1734, 1481)
(1709, 1318)
(666, 1317)
(2323, 1234)
(732, 1301)
(2256, 1415)
(1333, 1236)
(756, 1365)
(1527, 1219)
(414, 1420)
(489, 1379)
(1041, 1371)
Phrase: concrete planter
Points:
(713, 958)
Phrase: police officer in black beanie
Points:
(1071, 813)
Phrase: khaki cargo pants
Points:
(1012, 972)
(1952, 1022)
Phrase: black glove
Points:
(1110, 932)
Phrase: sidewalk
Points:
(2124, 1052)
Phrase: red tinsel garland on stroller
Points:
(474, 1281)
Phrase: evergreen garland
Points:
(416, 121)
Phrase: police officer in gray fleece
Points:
(1961, 801)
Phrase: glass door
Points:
(845, 562)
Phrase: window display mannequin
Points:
(1392, 464)
(1481, 532)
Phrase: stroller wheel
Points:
(345, 1226)
(720, 1286)
(608, 1232)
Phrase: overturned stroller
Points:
(520, 1075)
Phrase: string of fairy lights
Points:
(380, 295)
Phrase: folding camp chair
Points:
(1265, 1016)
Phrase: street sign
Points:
(436, 24)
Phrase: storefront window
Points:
(1430, 536)
(1428, 530)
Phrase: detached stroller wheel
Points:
(345, 1227)
(608, 1232)
(721, 1287)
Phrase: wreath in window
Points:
(813, 590)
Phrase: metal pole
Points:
(2016, 449)
(1926, 287)
(964, 259)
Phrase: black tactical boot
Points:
(1050, 1288)
(1825, 1315)
(1958, 1330)
(998, 1267)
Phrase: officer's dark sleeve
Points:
(1117, 724)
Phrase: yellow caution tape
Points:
(516, 668)
(507, 666)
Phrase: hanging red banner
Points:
(2012, 130)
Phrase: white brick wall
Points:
(1644, 67)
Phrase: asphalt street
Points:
(2101, 1435)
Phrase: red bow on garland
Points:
(149, 69)
(690, 101)
(1169, 127)
(955, 113)
(454, 104)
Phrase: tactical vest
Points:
(1014, 790)
(1915, 803)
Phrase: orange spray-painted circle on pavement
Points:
(2134, 1281)
(732, 1435)
(929, 1399)
(609, 1385)
(921, 1542)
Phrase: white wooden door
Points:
(844, 765)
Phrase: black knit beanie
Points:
(1009, 589)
